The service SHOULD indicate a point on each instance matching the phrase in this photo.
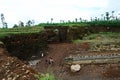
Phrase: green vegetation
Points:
(24, 30)
(70, 24)
(110, 23)
(97, 23)
(107, 19)
(100, 37)
(47, 76)
(103, 35)
(77, 41)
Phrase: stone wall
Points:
(93, 59)
(105, 46)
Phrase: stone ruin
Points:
(104, 47)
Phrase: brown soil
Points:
(58, 52)
(11, 68)
(88, 72)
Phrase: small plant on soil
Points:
(47, 76)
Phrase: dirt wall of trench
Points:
(78, 32)
(67, 34)
(25, 46)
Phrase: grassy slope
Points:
(24, 30)
(103, 37)
(39, 27)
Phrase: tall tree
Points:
(29, 23)
(21, 24)
(5, 25)
(3, 21)
(96, 18)
(75, 19)
(80, 19)
(15, 26)
(69, 21)
(51, 20)
(107, 16)
(91, 19)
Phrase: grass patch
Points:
(47, 76)
(104, 37)
(77, 41)
(23, 30)
(70, 24)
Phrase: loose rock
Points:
(75, 68)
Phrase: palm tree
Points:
(3, 19)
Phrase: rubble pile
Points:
(11, 68)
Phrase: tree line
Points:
(22, 24)
(108, 16)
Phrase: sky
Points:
(41, 11)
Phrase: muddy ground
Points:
(88, 72)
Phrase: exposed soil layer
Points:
(24, 46)
(88, 72)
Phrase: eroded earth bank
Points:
(24, 56)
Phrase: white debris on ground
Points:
(75, 68)
(33, 62)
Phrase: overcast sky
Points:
(43, 10)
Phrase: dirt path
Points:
(58, 52)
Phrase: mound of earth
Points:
(11, 68)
